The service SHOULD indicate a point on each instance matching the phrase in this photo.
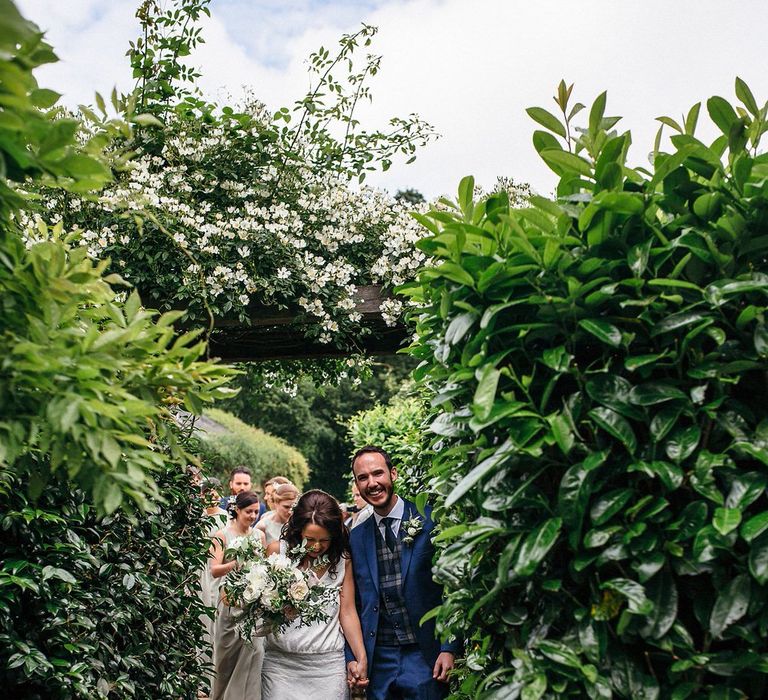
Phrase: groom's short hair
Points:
(375, 450)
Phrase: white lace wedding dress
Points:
(307, 662)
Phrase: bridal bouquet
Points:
(273, 594)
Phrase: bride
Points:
(308, 662)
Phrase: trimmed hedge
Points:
(244, 445)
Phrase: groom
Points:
(392, 556)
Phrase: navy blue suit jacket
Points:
(420, 592)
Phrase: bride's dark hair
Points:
(317, 507)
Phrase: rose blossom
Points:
(298, 590)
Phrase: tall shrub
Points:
(92, 598)
(397, 427)
(100, 606)
(601, 425)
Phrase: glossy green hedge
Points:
(100, 606)
(601, 421)
(397, 427)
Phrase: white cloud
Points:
(91, 38)
(470, 69)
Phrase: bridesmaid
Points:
(237, 664)
(283, 498)
(213, 518)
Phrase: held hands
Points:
(357, 674)
(443, 666)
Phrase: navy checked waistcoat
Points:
(395, 626)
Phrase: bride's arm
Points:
(216, 559)
(350, 622)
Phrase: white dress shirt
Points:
(397, 512)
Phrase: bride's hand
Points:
(357, 674)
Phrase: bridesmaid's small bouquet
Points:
(273, 593)
(244, 549)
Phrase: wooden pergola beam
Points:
(274, 334)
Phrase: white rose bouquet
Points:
(244, 549)
(273, 593)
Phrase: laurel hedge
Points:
(397, 427)
(601, 430)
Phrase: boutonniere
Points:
(412, 528)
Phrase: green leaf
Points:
(637, 361)
(547, 120)
(535, 547)
(682, 443)
(760, 338)
(692, 119)
(679, 320)
(609, 504)
(485, 394)
(754, 526)
(664, 421)
(44, 98)
(82, 166)
(61, 574)
(745, 95)
(671, 475)
(615, 425)
(662, 592)
(691, 520)
(730, 606)
(637, 258)
(557, 359)
(466, 193)
(648, 566)
(637, 601)
(559, 653)
(746, 488)
(147, 120)
(670, 123)
(559, 160)
(722, 113)
(113, 497)
(535, 688)
(654, 393)
(573, 494)
(111, 450)
(561, 430)
(758, 559)
(726, 520)
(602, 330)
(479, 471)
(455, 272)
(596, 113)
(459, 326)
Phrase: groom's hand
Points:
(356, 675)
(443, 666)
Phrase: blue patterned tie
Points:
(389, 536)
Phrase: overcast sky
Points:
(469, 68)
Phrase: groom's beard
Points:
(386, 490)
